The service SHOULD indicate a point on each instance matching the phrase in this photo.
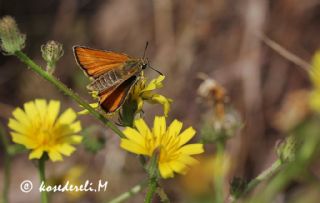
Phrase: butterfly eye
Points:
(144, 66)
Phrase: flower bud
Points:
(11, 38)
(216, 129)
(286, 150)
(52, 51)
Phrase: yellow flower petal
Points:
(75, 127)
(142, 92)
(31, 111)
(21, 117)
(41, 107)
(159, 126)
(67, 117)
(186, 136)
(187, 160)
(165, 170)
(36, 154)
(132, 147)
(85, 111)
(53, 111)
(178, 167)
(16, 126)
(142, 127)
(155, 84)
(139, 104)
(165, 102)
(175, 128)
(75, 139)
(21, 139)
(66, 149)
(314, 100)
(192, 149)
(54, 155)
(134, 136)
(315, 70)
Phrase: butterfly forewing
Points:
(97, 62)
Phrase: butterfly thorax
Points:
(117, 76)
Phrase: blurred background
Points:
(217, 37)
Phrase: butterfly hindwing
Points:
(112, 99)
(97, 62)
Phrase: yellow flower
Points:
(39, 129)
(314, 99)
(201, 177)
(143, 92)
(75, 176)
(174, 153)
(315, 70)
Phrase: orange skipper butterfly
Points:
(114, 74)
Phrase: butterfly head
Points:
(145, 63)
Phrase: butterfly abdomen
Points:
(105, 81)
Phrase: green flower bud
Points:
(286, 150)
(11, 40)
(52, 51)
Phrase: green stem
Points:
(126, 195)
(266, 174)
(151, 189)
(6, 179)
(7, 167)
(41, 167)
(219, 180)
(36, 68)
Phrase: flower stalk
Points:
(126, 195)
(266, 174)
(7, 167)
(36, 68)
(41, 168)
(153, 177)
(219, 180)
(151, 189)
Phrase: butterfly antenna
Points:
(145, 49)
(155, 70)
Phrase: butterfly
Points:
(114, 74)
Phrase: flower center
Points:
(167, 145)
(45, 134)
